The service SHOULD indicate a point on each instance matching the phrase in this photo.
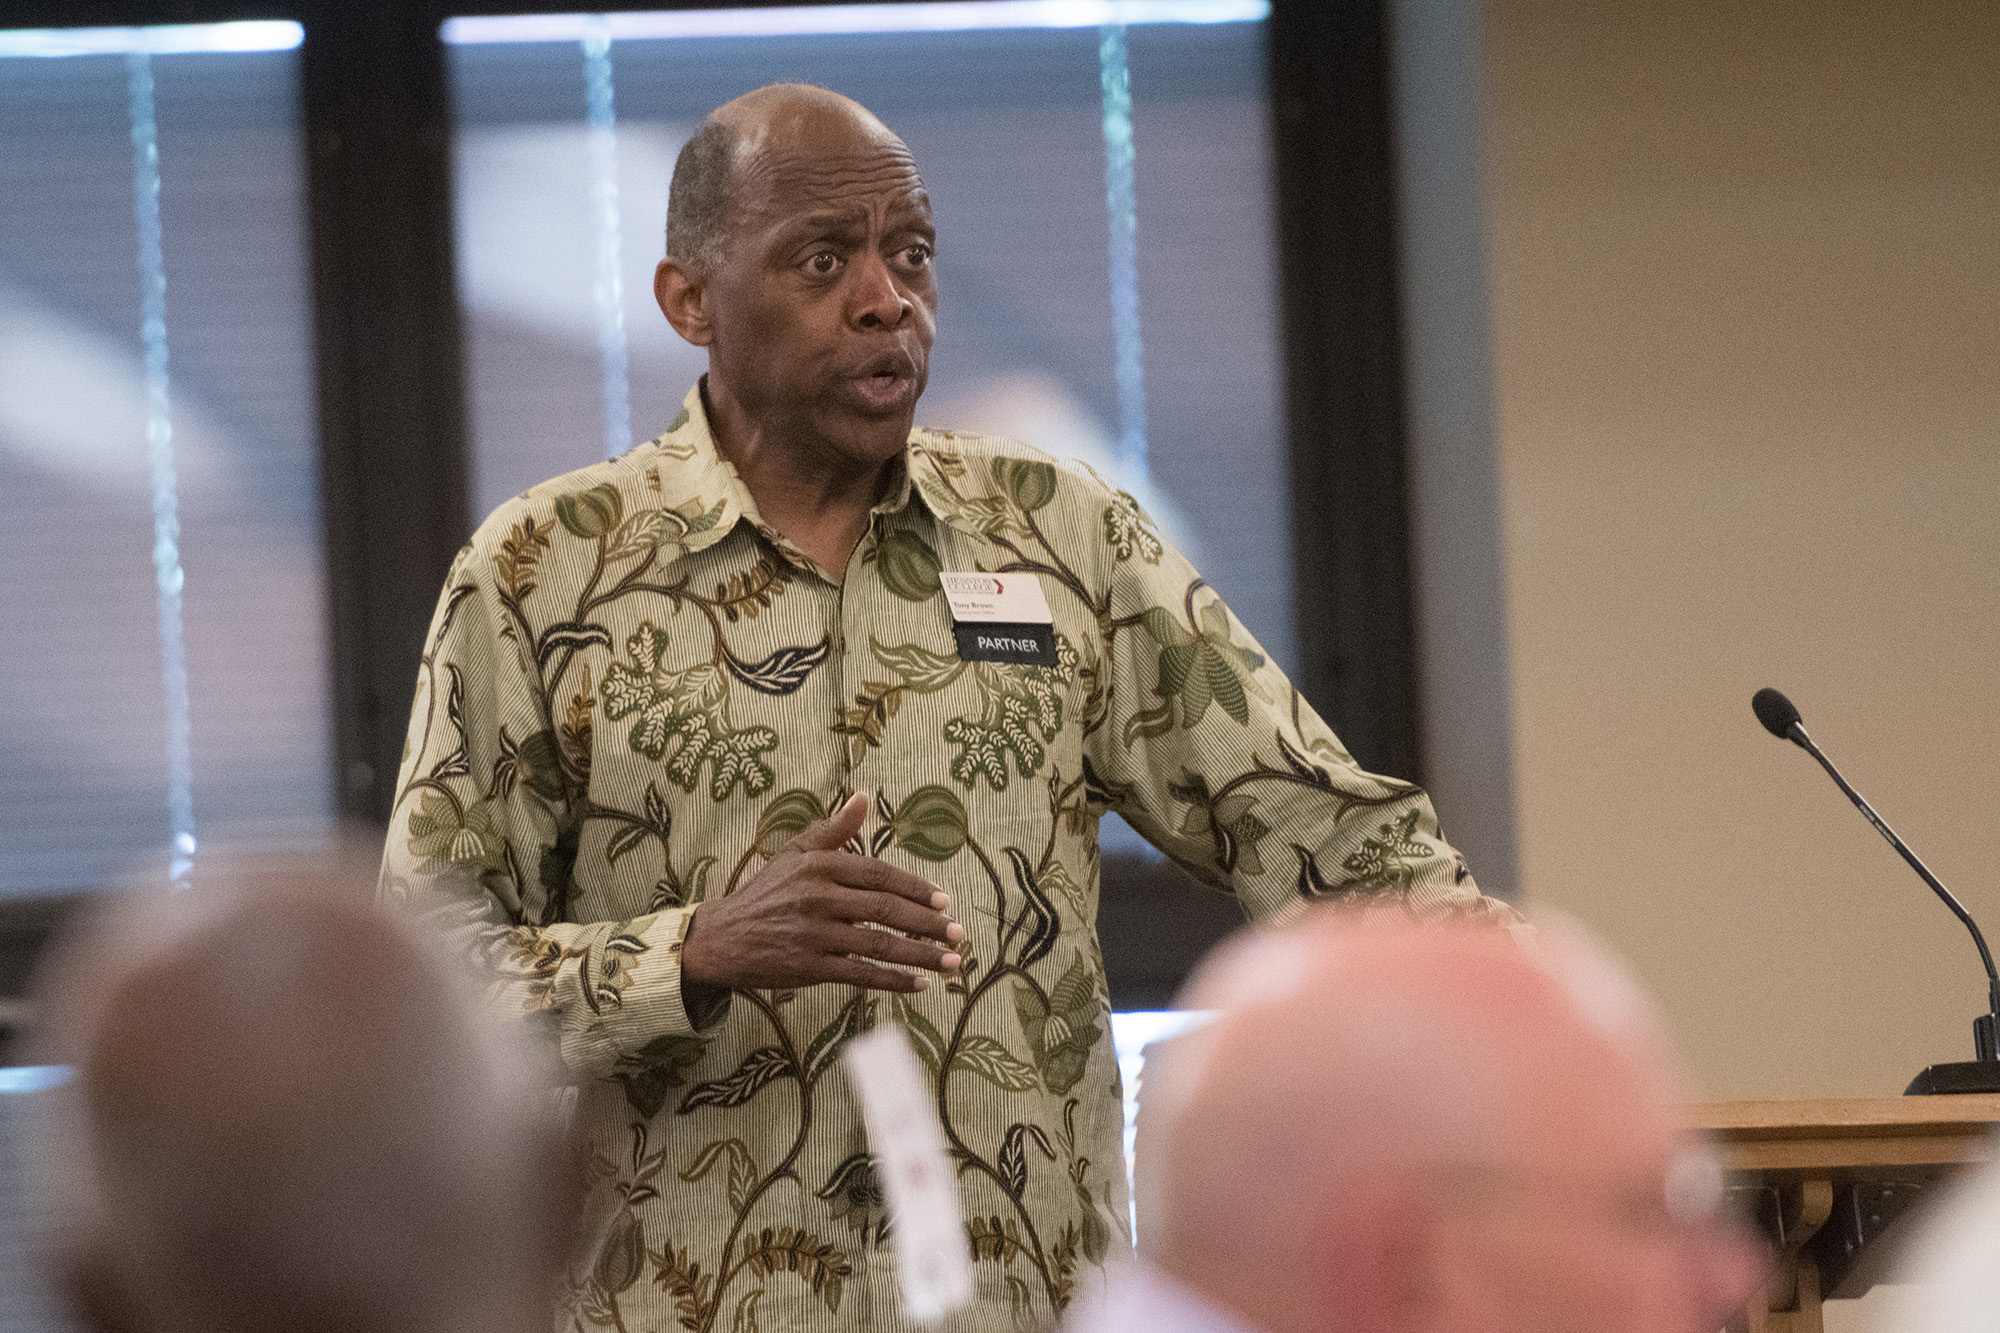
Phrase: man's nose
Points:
(874, 299)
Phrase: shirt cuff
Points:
(633, 996)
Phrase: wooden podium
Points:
(1832, 1183)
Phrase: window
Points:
(162, 672)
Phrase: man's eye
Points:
(824, 264)
(917, 256)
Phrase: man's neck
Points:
(815, 494)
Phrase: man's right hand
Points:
(806, 918)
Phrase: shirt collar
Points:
(690, 466)
(934, 466)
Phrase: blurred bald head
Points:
(1402, 1126)
(288, 1113)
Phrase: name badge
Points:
(1001, 618)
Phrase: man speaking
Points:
(798, 720)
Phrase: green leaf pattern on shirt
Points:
(686, 712)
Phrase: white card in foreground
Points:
(927, 1228)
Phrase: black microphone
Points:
(1982, 1074)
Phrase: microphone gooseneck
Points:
(1781, 718)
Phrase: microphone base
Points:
(1963, 1076)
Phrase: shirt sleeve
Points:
(1213, 756)
(482, 842)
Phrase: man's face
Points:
(823, 304)
(1606, 1220)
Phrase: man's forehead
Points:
(792, 184)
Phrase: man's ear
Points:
(683, 299)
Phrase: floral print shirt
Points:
(634, 692)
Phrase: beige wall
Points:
(1746, 298)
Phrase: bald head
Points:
(1353, 1143)
(289, 1114)
(780, 120)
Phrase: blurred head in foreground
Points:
(288, 1113)
(1401, 1126)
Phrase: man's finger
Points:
(855, 972)
(865, 872)
(828, 834)
(888, 948)
(887, 909)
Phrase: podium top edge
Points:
(1848, 1117)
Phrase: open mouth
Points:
(884, 388)
(885, 383)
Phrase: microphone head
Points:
(1775, 711)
